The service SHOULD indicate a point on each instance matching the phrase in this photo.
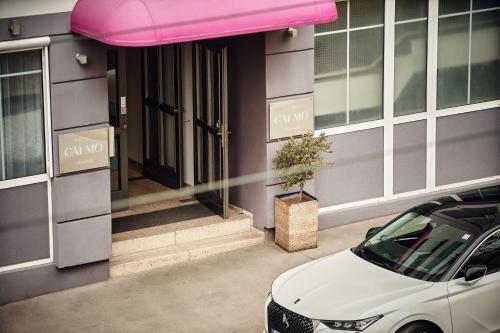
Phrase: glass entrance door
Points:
(162, 116)
(211, 122)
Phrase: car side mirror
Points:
(372, 231)
(474, 272)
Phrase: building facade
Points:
(407, 91)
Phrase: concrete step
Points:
(169, 255)
(180, 233)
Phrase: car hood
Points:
(343, 286)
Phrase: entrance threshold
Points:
(158, 212)
(171, 243)
(157, 233)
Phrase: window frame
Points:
(348, 30)
(42, 44)
(388, 78)
(28, 45)
(469, 13)
(389, 121)
(403, 23)
(470, 253)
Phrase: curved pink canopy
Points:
(156, 22)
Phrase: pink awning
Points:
(155, 22)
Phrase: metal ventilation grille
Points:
(296, 322)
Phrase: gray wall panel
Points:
(468, 146)
(279, 41)
(83, 241)
(357, 172)
(247, 114)
(289, 73)
(63, 63)
(410, 156)
(81, 195)
(37, 26)
(79, 103)
(24, 224)
(25, 283)
(272, 147)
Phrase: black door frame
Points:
(119, 122)
(218, 199)
(153, 167)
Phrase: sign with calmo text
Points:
(291, 117)
(83, 150)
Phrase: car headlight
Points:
(350, 325)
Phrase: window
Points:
(419, 246)
(22, 146)
(487, 254)
(468, 52)
(410, 57)
(401, 66)
(349, 59)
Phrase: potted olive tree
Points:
(296, 213)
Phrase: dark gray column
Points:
(247, 114)
(81, 201)
(289, 74)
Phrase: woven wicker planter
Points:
(296, 223)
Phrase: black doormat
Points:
(160, 217)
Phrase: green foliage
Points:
(299, 160)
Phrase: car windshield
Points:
(418, 246)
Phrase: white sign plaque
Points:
(291, 117)
(83, 150)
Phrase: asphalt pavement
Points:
(223, 293)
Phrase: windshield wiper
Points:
(360, 251)
(385, 265)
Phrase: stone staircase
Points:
(149, 248)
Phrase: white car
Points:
(433, 269)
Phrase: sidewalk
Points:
(224, 293)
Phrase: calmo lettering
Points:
(83, 150)
(291, 118)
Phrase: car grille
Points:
(296, 322)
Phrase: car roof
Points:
(477, 209)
